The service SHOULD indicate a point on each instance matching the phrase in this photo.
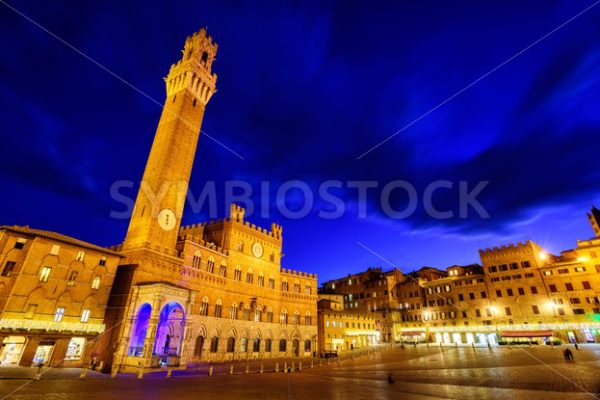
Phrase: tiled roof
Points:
(26, 230)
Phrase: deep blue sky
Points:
(304, 88)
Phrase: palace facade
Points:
(170, 295)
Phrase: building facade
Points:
(340, 329)
(370, 292)
(54, 291)
(170, 294)
(520, 293)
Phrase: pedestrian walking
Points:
(568, 354)
(576, 346)
(390, 379)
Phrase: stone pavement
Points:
(421, 373)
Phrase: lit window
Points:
(75, 348)
(55, 249)
(85, 316)
(58, 315)
(102, 262)
(96, 282)
(45, 274)
(80, 255)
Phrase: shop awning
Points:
(526, 333)
(413, 333)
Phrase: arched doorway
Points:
(138, 332)
(170, 330)
(296, 347)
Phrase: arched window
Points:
(256, 345)
(250, 276)
(307, 346)
(196, 260)
(198, 346)
(238, 273)
(296, 317)
(233, 310)
(204, 306)
(246, 313)
(282, 346)
(223, 269)
(307, 319)
(297, 287)
(307, 289)
(284, 285)
(268, 345)
(271, 282)
(261, 279)
(231, 344)
(210, 265)
(244, 345)
(214, 344)
(270, 316)
(257, 314)
(283, 317)
(218, 308)
(240, 246)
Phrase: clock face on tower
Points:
(257, 250)
(166, 219)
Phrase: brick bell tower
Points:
(160, 201)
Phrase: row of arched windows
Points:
(249, 277)
(258, 315)
(245, 346)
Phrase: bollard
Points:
(262, 368)
(169, 372)
(141, 372)
(83, 373)
(293, 366)
(320, 362)
(210, 370)
(231, 369)
(473, 344)
(285, 367)
(276, 367)
(312, 363)
(300, 366)
(247, 368)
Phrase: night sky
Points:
(304, 88)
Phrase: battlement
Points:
(301, 274)
(193, 71)
(506, 250)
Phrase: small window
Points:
(96, 283)
(80, 255)
(58, 315)
(45, 274)
(20, 243)
(9, 268)
(85, 316)
(569, 287)
(553, 288)
(586, 285)
(55, 250)
(535, 309)
(533, 290)
(72, 278)
(102, 262)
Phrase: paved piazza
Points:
(419, 373)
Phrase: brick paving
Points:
(419, 373)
